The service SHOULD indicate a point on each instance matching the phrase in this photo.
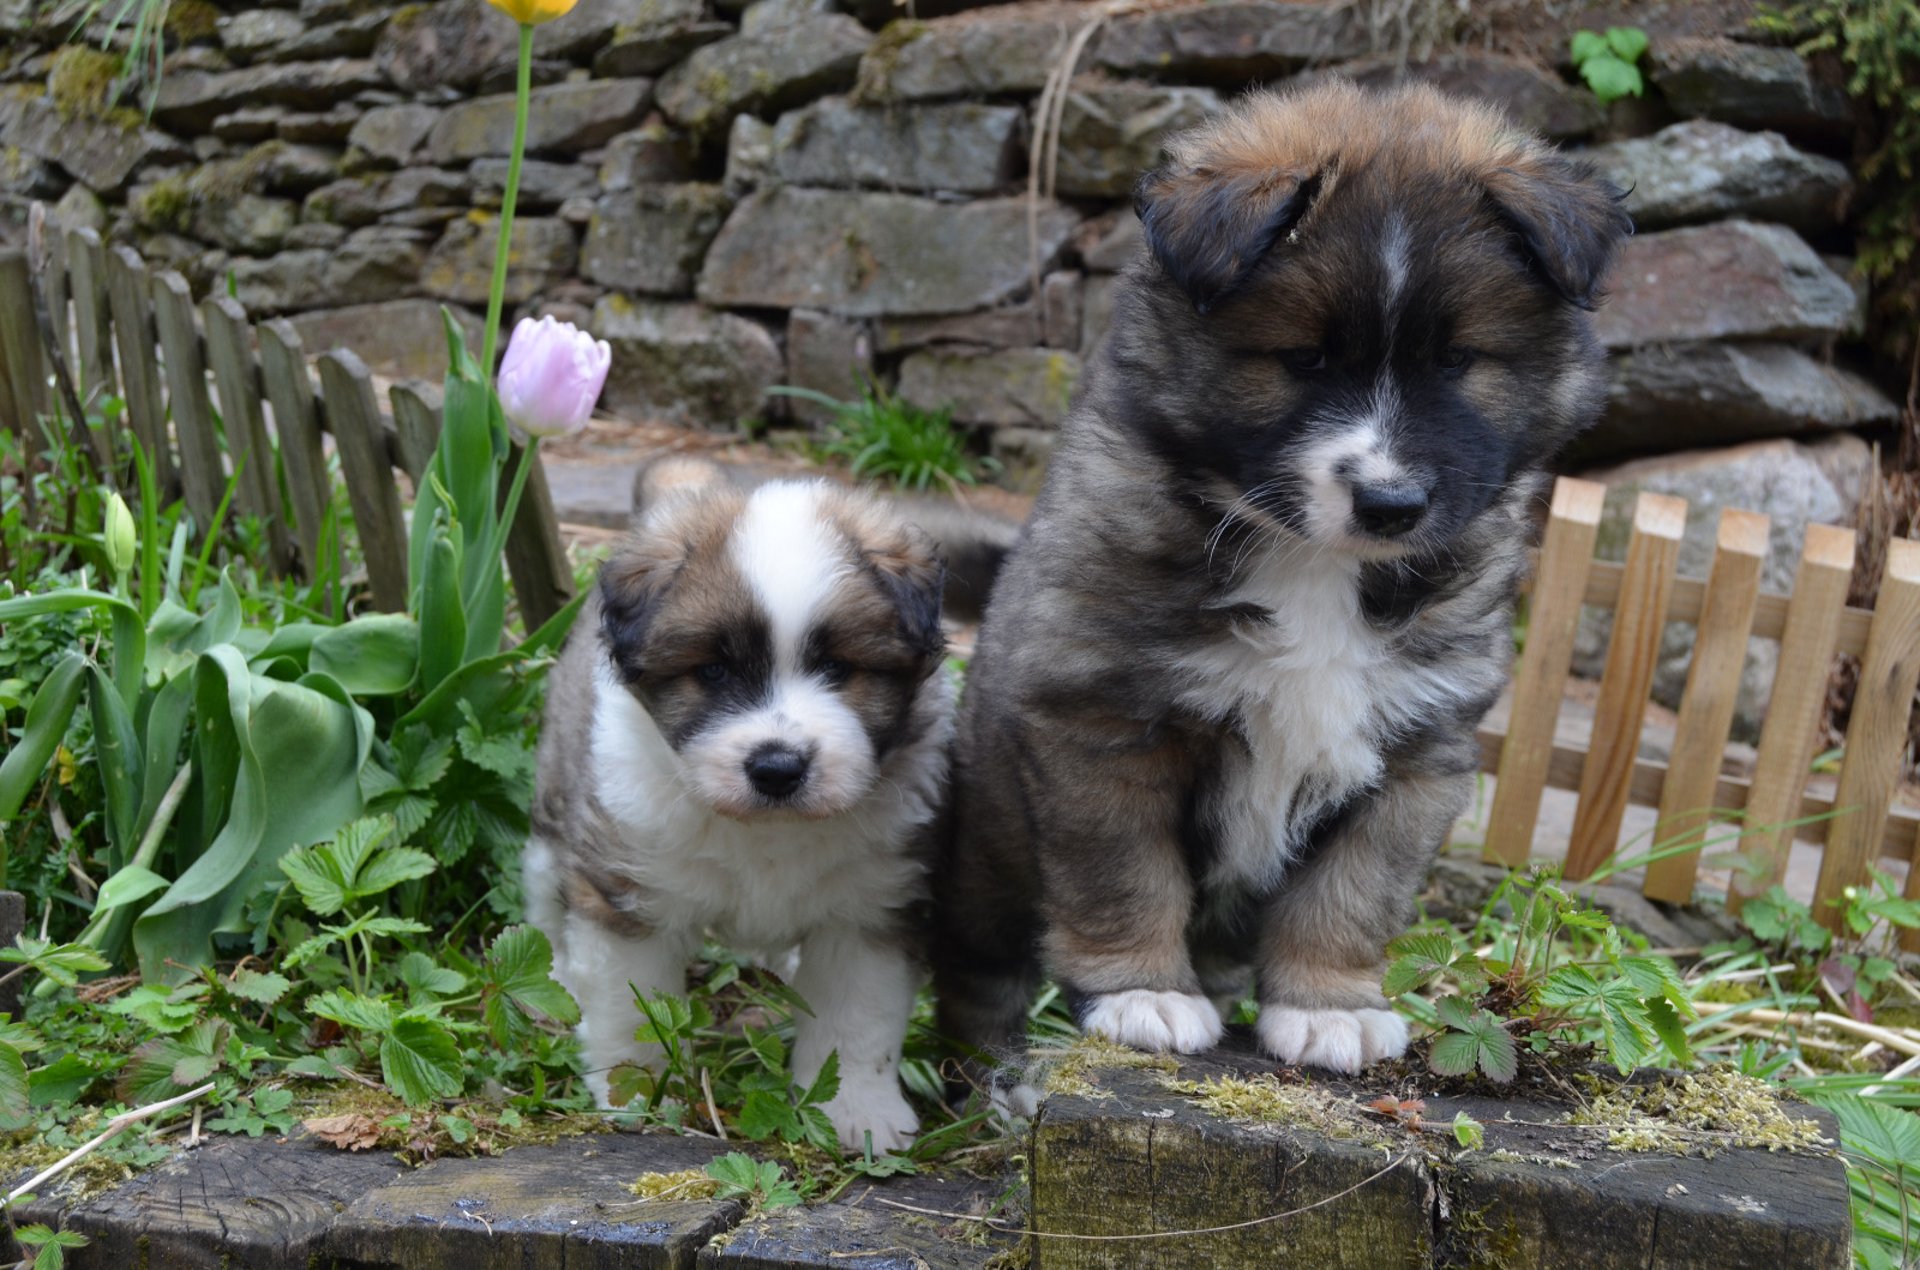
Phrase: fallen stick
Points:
(115, 1127)
(1906, 1044)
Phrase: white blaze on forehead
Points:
(1395, 248)
(790, 556)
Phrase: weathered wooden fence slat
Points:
(134, 340)
(296, 418)
(92, 334)
(20, 346)
(1792, 725)
(1876, 734)
(203, 476)
(416, 429)
(1566, 553)
(366, 468)
(54, 280)
(1632, 653)
(1706, 706)
(237, 378)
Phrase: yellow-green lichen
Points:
(81, 81)
(1018, 1257)
(877, 65)
(1698, 1113)
(166, 205)
(683, 1184)
(1074, 1071)
(1265, 1099)
(191, 20)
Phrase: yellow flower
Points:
(533, 12)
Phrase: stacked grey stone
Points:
(815, 192)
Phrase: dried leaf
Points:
(349, 1131)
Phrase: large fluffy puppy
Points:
(1222, 711)
(747, 736)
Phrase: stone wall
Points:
(796, 190)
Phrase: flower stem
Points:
(522, 96)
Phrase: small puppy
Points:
(746, 736)
(1223, 705)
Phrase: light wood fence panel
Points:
(1638, 620)
(1553, 617)
(1706, 706)
(1792, 725)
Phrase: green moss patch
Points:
(1698, 1113)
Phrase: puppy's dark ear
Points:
(1209, 228)
(1570, 221)
(912, 573)
(632, 584)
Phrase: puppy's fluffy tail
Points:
(974, 540)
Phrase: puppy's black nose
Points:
(1389, 510)
(776, 771)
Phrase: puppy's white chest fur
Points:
(759, 884)
(1312, 694)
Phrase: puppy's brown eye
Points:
(1455, 360)
(834, 671)
(1304, 361)
(712, 672)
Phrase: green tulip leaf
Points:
(373, 656)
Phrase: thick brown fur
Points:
(1197, 617)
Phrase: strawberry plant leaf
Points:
(420, 1062)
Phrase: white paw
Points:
(1339, 1040)
(1183, 1022)
(879, 1109)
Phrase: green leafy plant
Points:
(1609, 62)
(882, 437)
(48, 1246)
(1879, 43)
(760, 1182)
(1558, 973)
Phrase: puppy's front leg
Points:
(1323, 939)
(860, 987)
(1118, 894)
(603, 967)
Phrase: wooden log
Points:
(20, 347)
(1658, 522)
(1901, 841)
(1792, 724)
(1539, 680)
(203, 474)
(92, 332)
(237, 377)
(133, 339)
(1876, 737)
(536, 560)
(296, 420)
(353, 416)
(416, 427)
(1706, 705)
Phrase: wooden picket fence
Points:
(1859, 825)
(95, 318)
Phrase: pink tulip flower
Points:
(551, 376)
